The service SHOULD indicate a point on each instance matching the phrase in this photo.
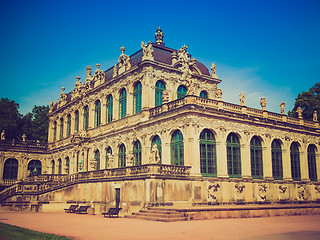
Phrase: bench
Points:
(112, 212)
(82, 210)
(71, 209)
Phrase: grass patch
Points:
(9, 232)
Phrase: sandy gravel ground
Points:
(96, 227)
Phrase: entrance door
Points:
(117, 197)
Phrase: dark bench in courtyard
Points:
(82, 210)
(71, 209)
(112, 212)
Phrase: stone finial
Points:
(159, 37)
(98, 65)
(3, 135)
(213, 70)
(242, 97)
(219, 93)
(24, 137)
(122, 49)
(315, 116)
(123, 61)
(282, 105)
(88, 71)
(299, 111)
(78, 78)
(263, 103)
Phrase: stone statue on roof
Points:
(299, 111)
(315, 116)
(3, 135)
(213, 70)
(147, 51)
(263, 103)
(123, 61)
(242, 97)
(99, 75)
(282, 105)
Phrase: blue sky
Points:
(261, 48)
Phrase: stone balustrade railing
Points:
(45, 183)
(23, 144)
(229, 107)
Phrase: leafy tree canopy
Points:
(309, 102)
(34, 125)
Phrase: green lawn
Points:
(9, 232)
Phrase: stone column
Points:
(85, 159)
(318, 162)
(81, 118)
(222, 165)
(103, 111)
(72, 123)
(91, 115)
(267, 160)
(50, 131)
(129, 101)
(245, 158)
(166, 150)
(304, 168)
(116, 105)
(191, 149)
(286, 161)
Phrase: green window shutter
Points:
(276, 155)
(160, 87)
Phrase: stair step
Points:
(160, 212)
(158, 215)
(160, 219)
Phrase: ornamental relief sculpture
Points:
(123, 62)
(147, 49)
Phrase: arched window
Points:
(295, 161)
(54, 131)
(276, 152)
(122, 156)
(137, 153)
(208, 161)
(312, 163)
(59, 166)
(137, 96)
(35, 167)
(76, 121)
(256, 158)
(177, 152)
(68, 125)
(86, 118)
(109, 108)
(97, 159)
(123, 103)
(203, 94)
(156, 140)
(233, 155)
(160, 87)
(108, 155)
(67, 165)
(181, 92)
(97, 114)
(61, 128)
(10, 170)
(52, 167)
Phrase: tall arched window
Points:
(109, 108)
(68, 165)
(76, 121)
(52, 167)
(61, 128)
(156, 140)
(160, 87)
(208, 161)
(123, 103)
(122, 156)
(181, 92)
(276, 152)
(54, 131)
(59, 166)
(203, 94)
(97, 114)
(10, 170)
(68, 125)
(35, 167)
(233, 155)
(177, 151)
(256, 158)
(312, 165)
(97, 159)
(295, 161)
(108, 155)
(86, 118)
(137, 97)
(137, 153)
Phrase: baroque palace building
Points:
(153, 130)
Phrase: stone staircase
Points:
(159, 214)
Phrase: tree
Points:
(9, 118)
(40, 123)
(309, 102)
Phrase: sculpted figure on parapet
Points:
(263, 103)
(315, 116)
(299, 111)
(219, 94)
(110, 160)
(154, 157)
(165, 96)
(282, 105)
(3, 135)
(147, 51)
(242, 97)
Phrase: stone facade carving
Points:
(213, 70)
(99, 75)
(212, 192)
(123, 61)
(147, 51)
(219, 93)
(154, 156)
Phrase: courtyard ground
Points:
(96, 227)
